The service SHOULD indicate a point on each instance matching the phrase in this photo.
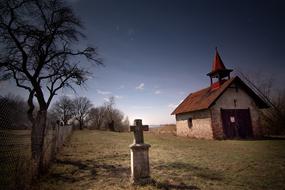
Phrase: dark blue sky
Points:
(166, 47)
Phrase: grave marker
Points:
(140, 172)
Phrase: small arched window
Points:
(190, 124)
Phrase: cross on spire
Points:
(138, 129)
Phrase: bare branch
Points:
(37, 39)
(18, 82)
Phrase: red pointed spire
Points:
(218, 63)
(219, 72)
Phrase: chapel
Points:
(227, 109)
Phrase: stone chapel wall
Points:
(201, 125)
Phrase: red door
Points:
(236, 123)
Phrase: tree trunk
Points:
(37, 143)
(80, 124)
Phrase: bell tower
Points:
(219, 73)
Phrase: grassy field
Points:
(164, 129)
(101, 160)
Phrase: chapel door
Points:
(236, 123)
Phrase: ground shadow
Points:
(113, 156)
(273, 138)
(256, 138)
(205, 173)
(168, 186)
(88, 169)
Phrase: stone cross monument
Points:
(139, 155)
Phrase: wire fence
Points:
(15, 149)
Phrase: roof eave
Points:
(221, 70)
(201, 109)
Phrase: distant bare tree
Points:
(107, 117)
(96, 117)
(63, 109)
(14, 109)
(38, 52)
(82, 106)
(109, 120)
(120, 123)
(273, 118)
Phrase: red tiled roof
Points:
(203, 99)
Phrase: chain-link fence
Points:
(15, 148)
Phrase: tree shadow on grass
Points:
(90, 170)
(113, 156)
(168, 185)
(182, 167)
(87, 170)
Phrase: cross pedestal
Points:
(140, 172)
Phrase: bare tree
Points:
(38, 52)
(63, 109)
(109, 120)
(273, 118)
(120, 124)
(96, 117)
(13, 111)
(108, 117)
(82, 106)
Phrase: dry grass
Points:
(164, 129)
(101, 160)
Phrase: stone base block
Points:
(140, 172)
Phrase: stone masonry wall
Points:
(201, 127)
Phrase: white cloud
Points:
(70, 95)
(118, 96)
(103, 92)
(140, 86)
(106, 99)
(172, 106)
(157, 92)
